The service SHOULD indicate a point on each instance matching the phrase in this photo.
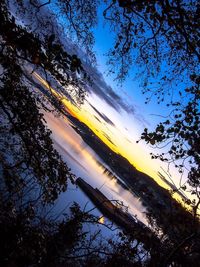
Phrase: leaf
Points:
(152, 141)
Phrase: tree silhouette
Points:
(162, 37)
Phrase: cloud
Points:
(120, 101)
(102, 115)
(97, 119)
(105, 92)
(108, 138)
(128, 140)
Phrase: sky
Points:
(117, 113)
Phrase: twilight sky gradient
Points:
(117, 114)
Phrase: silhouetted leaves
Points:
(162, 37)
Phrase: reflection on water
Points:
(85, 163)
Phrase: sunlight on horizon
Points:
(112, 135)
